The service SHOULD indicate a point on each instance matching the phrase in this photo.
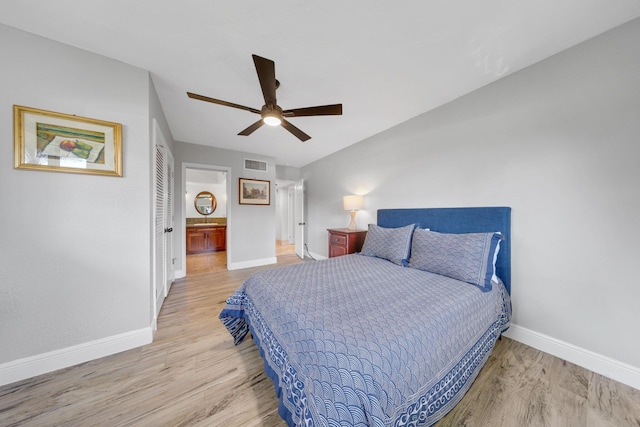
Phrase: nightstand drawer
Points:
(340, 240)
(343, 241)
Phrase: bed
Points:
(393, 336)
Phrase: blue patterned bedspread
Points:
(360, 341)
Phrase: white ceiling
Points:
(386, 62)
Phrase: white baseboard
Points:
(603, 365)
(251, 263)
(318, 257)
(28, 367)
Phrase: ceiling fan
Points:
(271, 113)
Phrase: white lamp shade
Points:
(352, 203)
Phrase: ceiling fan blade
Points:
(294, 130)
(322, 110)
(225, 103)
(266, 70)
(248, 131)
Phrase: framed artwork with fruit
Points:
(50, 141)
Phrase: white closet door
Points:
(160, 227)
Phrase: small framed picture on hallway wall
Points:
(254, 192)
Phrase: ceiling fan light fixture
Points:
(272, 120)
(271, 116)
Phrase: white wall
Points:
(559, 142)
(218, 190)
(76, 269)
(250, 228)
(156, 113)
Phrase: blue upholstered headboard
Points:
(459, 220)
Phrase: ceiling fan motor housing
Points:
(271, 115)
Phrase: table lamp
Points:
(353, 204)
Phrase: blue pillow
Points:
(392, 244)
(465, 257)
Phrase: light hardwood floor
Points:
(193, 375)
(283, 247)
(217, 261)
(206, 263)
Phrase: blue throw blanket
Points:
(360, 341)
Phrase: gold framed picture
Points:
(50, 141)
(254, 192)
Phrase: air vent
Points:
(255, 165)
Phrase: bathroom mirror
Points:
(205, 203)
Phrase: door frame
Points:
(298, 217)
(183, 203)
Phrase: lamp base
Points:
(352, 224)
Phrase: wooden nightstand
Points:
(343, 241)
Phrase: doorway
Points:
(206, 193)
(285, 214)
